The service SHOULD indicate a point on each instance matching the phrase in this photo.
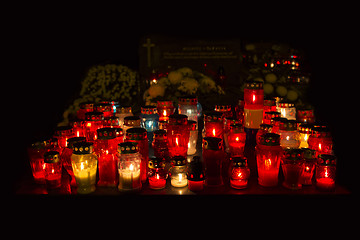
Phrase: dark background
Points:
(54, 48)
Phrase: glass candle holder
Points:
(320, 140)
(66, 157)
(84, 108)
(62, 134)
(287, 110)
(157, 173)
(305, 116)
(165, 109)
(36, 156)
(93, 121)
(160, 145)
(105, 107)
(52, 168)
(325, 172)
(188, 106)
(178, 172)
(304, 130)
(289, 136)
(264, 128)
(129, 167)
(276, 121)
(122, 112)
(149, 120)
(196, 175)
(292, 164)
(236, 139)
(254, 95)
(178, 133)
(239, 172)
(139, 135)
(213, 124)
(213, 156)
(309, 166)
(130, 122)
(106, 147)
(192, 138)
(84, 164)
(78, 128)
(268, 155)
(227, 124)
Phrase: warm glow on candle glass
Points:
(267, 163)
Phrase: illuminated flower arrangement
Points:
(183, 81)
(108, 82)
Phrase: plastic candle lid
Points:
(128, 147)
(270, 139)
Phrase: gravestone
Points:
(162, 54)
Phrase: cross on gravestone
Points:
(148, 45)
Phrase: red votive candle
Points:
(106, 149)
(178, 133)
(52, 167)
(157, 173)
(165, 109)
(213, 124)
(93, 121)
(213, 156)
(239, 172)
(236, 140)
(325, 172)
(309, 166)
(268, 154)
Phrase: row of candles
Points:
(96, 143)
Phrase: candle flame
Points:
(319, 146)
(88, 124)
(82, 166)
(131, 167)
(237, 139)
(180, 177)
(164, 113)
(326, 173)
(177, 141)
(254, 98)
(267, 163)
(214, 132)
(157, 176)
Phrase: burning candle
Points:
(149, 120)
(254, 103)
(305, 116)
(188, 107)
(121, 113)
(36, 156)
(62, 134)
(178, 133)
(84, 164)
(236, 140)
(160, 145)
(304, 130)
(93, 121)
(287, 110)
(239, 172)
(165, 109)
(105, 107)
(213, 124)
(157, 173)
(320, 140)
(129, 167)
(289, 136)
(309, 166)
(52, 168)
(178, 172)
(325, 172)
(268, 154)
(106, 148)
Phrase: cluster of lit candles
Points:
(109, 146)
